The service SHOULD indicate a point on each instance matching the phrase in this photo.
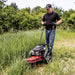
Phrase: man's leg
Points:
(51, 42)
(51, 39)
(47, 38)
(47, 52)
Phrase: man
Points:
(51, 20)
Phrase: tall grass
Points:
(14, 47)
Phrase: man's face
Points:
(49, 10)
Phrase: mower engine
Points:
(37, 51)
(37, 54)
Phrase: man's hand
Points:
(58, 22)
(42, 22)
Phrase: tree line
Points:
(12, 18)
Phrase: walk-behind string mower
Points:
(39, 53)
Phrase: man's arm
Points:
(59, 21)
(43, 20)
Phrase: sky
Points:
(64, 4)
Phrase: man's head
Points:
(49, 8)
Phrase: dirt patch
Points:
(65, 43)
(70, 64)
(40, 70)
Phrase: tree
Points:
(65, 18)
(71, 22)
(37, 8)
(14, 6)
(2, 3)
(27, 10)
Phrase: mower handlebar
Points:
(43, 44)
(53, 23)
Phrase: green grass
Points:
(14, 47)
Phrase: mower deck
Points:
(34, 59)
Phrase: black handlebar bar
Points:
(43, 44)
(46, 24)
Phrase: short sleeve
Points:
(57, 17)
(43, 18)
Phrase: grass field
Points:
(14, 47)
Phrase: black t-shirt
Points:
(49, 18)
